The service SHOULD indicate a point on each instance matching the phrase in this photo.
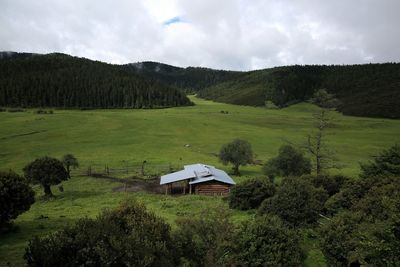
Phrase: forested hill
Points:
(365, 90)
(190, 79)
(59, 80)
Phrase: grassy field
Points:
(113, 137)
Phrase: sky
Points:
(221, 34)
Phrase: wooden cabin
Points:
(199, 179)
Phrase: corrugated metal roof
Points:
(177, 176)
(197, 173)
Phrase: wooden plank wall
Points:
(214, 189)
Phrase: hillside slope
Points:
(190, 79)
(59, 80)
(365, 90)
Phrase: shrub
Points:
(296, 201)
(289, 162)
(332, 184)
(16, 196)
(386, 164)
(250, 194)
(126, 236)
(205, 240)
(352, 191)
(266, 241)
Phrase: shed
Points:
(199, 178)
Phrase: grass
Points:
(159, 136)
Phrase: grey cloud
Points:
(229, 34)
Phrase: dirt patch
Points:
(133, 184)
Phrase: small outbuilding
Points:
(199, 179)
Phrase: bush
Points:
(296, 201)
(368, 233)
(205, 240)
(351, 192)
(250, 194)
(386, 164)
(289, 162)
(126, 236)
(3, 110)
(16, 196)
(266, 241)
(332, 184)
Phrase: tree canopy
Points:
(238, 152)
(250, 194)
(59, 80)
(289, 162)
(386, 163)
(46, 171)
(16, 196)
(126, 236)
(296, 201)
(69, 161)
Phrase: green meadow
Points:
(175, 136)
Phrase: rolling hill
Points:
(59, 80)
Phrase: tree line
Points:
(58, 80)
(364, 90)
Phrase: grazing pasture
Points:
(175, 136)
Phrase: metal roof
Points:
(197, 173)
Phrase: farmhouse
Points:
(199, 178)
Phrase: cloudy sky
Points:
(225, 34)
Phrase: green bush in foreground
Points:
(126, 236)
(250, 194)
(266, 241)
(16, 196)
(206, 239)
(296, 201)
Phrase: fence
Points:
(142, 170)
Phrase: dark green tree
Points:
(205, 239)
(289, 162)
(69, 161)
(386, 163)
(16, 196)
(296, 201)
(126, 236)
(238, 153)
(266, 241)
(250, 194)
(47, 172)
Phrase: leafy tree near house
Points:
(69, 161)
(250, 194)
(46, 171)
(238, 153)
(289, 162)
(16, 196)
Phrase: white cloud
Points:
(229, 34)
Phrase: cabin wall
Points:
(212, 188)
